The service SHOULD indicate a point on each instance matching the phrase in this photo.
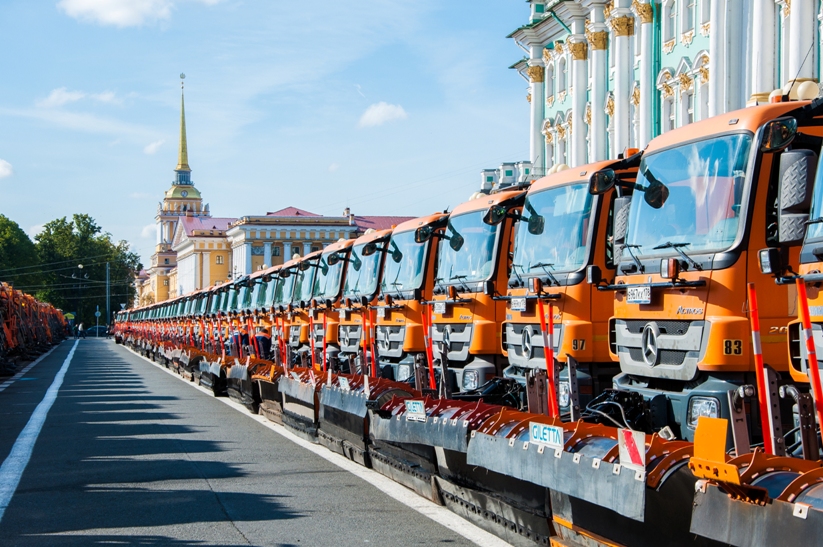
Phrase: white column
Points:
(247, 258)
(205, 276)
(580, 78)
(763, 50)
(622, 23)
(159, 233)
(598, 41)
(801, 23)
(537, 106)
(306, 248)
(286, 251)
(647, 88)
(717, 56)
(736, 54)
(196, 281)
(267, 253)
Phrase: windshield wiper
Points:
(439, 282)
(546, 266)
(637, 262)
(461, 278)
(677, 247)
(817, 220)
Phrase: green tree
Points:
(74, 254)
(18, 255)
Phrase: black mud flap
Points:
(211, 378)
(241, 389)
(486, 511)
(734, 522)
(610, 486)
(444, 433)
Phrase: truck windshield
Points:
(303, 283)
(269, 294)
(362, 272)
(284, 290)
(404, 263)
(561, 245)
(327, 284)
(815, 230)
(701, 212)
(466, 253)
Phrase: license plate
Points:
(518, 304)
(343, 382)
(381, 313)
(415, 410)
(639, 295)
(440, 308)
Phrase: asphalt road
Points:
(129, 455)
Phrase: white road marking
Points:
(17, 376)
(17, 460)
(435, 512)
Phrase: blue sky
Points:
(388, 107)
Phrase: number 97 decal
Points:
(732, 347)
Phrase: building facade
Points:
(607, 76)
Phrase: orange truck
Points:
(706, 200)
(406, 283)
(563, 235)
(360, 289)
(473, 262)
(329, 277)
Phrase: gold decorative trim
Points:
(686, 82)
(687, 37)
(569, 123)
(598, 40)
(588, 116)
(549, 138)
(636, 96)
(561, 96)
(667, 90)
(787, 8)
(536, 74)
(607, 9)
(669, 46)
(705, 28)
(703, 71)
(558, 48)
(609, 106)
(622, 26)
(529, 97)
(643, 11)
(561, 132)
(580, 51)
(550, 100)
(547, 55)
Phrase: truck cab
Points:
(329, 278)
(705, 201)
(564, 233)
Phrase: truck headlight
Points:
(702, 406)
(403, 372)
(471, 379)
(565, 394)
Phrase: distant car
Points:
(93, 332)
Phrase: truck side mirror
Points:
(536, 224)
(423, 234)
(778, 134)
(601, 181)
(771, 261)
(797, 173)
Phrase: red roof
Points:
(208, 224)
(292, 212)
(378, 223)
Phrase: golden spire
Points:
(182, 151)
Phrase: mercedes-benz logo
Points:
(526, 343)
(648, 344)
(344, 332)
(447, 333)
(385, 333)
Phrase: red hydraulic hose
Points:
(427, 341)
(768, 440)
(548, 353)
(811, 352)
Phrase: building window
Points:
(704, 101)
(668, 114)
(688, 108)
(705, 11)
(315, 248)
(668, 21)
(687, 17)
(550, 80)
(561, 75)
(218, 259)
(165, 282)
(165, 261)
(275, 251)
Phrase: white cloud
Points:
(106, 97)
(334, 167)
(149, 231)
(34, 230)
(380, 113)
(59, 97)
(153, 147)
(5, 169)
(121, 13)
